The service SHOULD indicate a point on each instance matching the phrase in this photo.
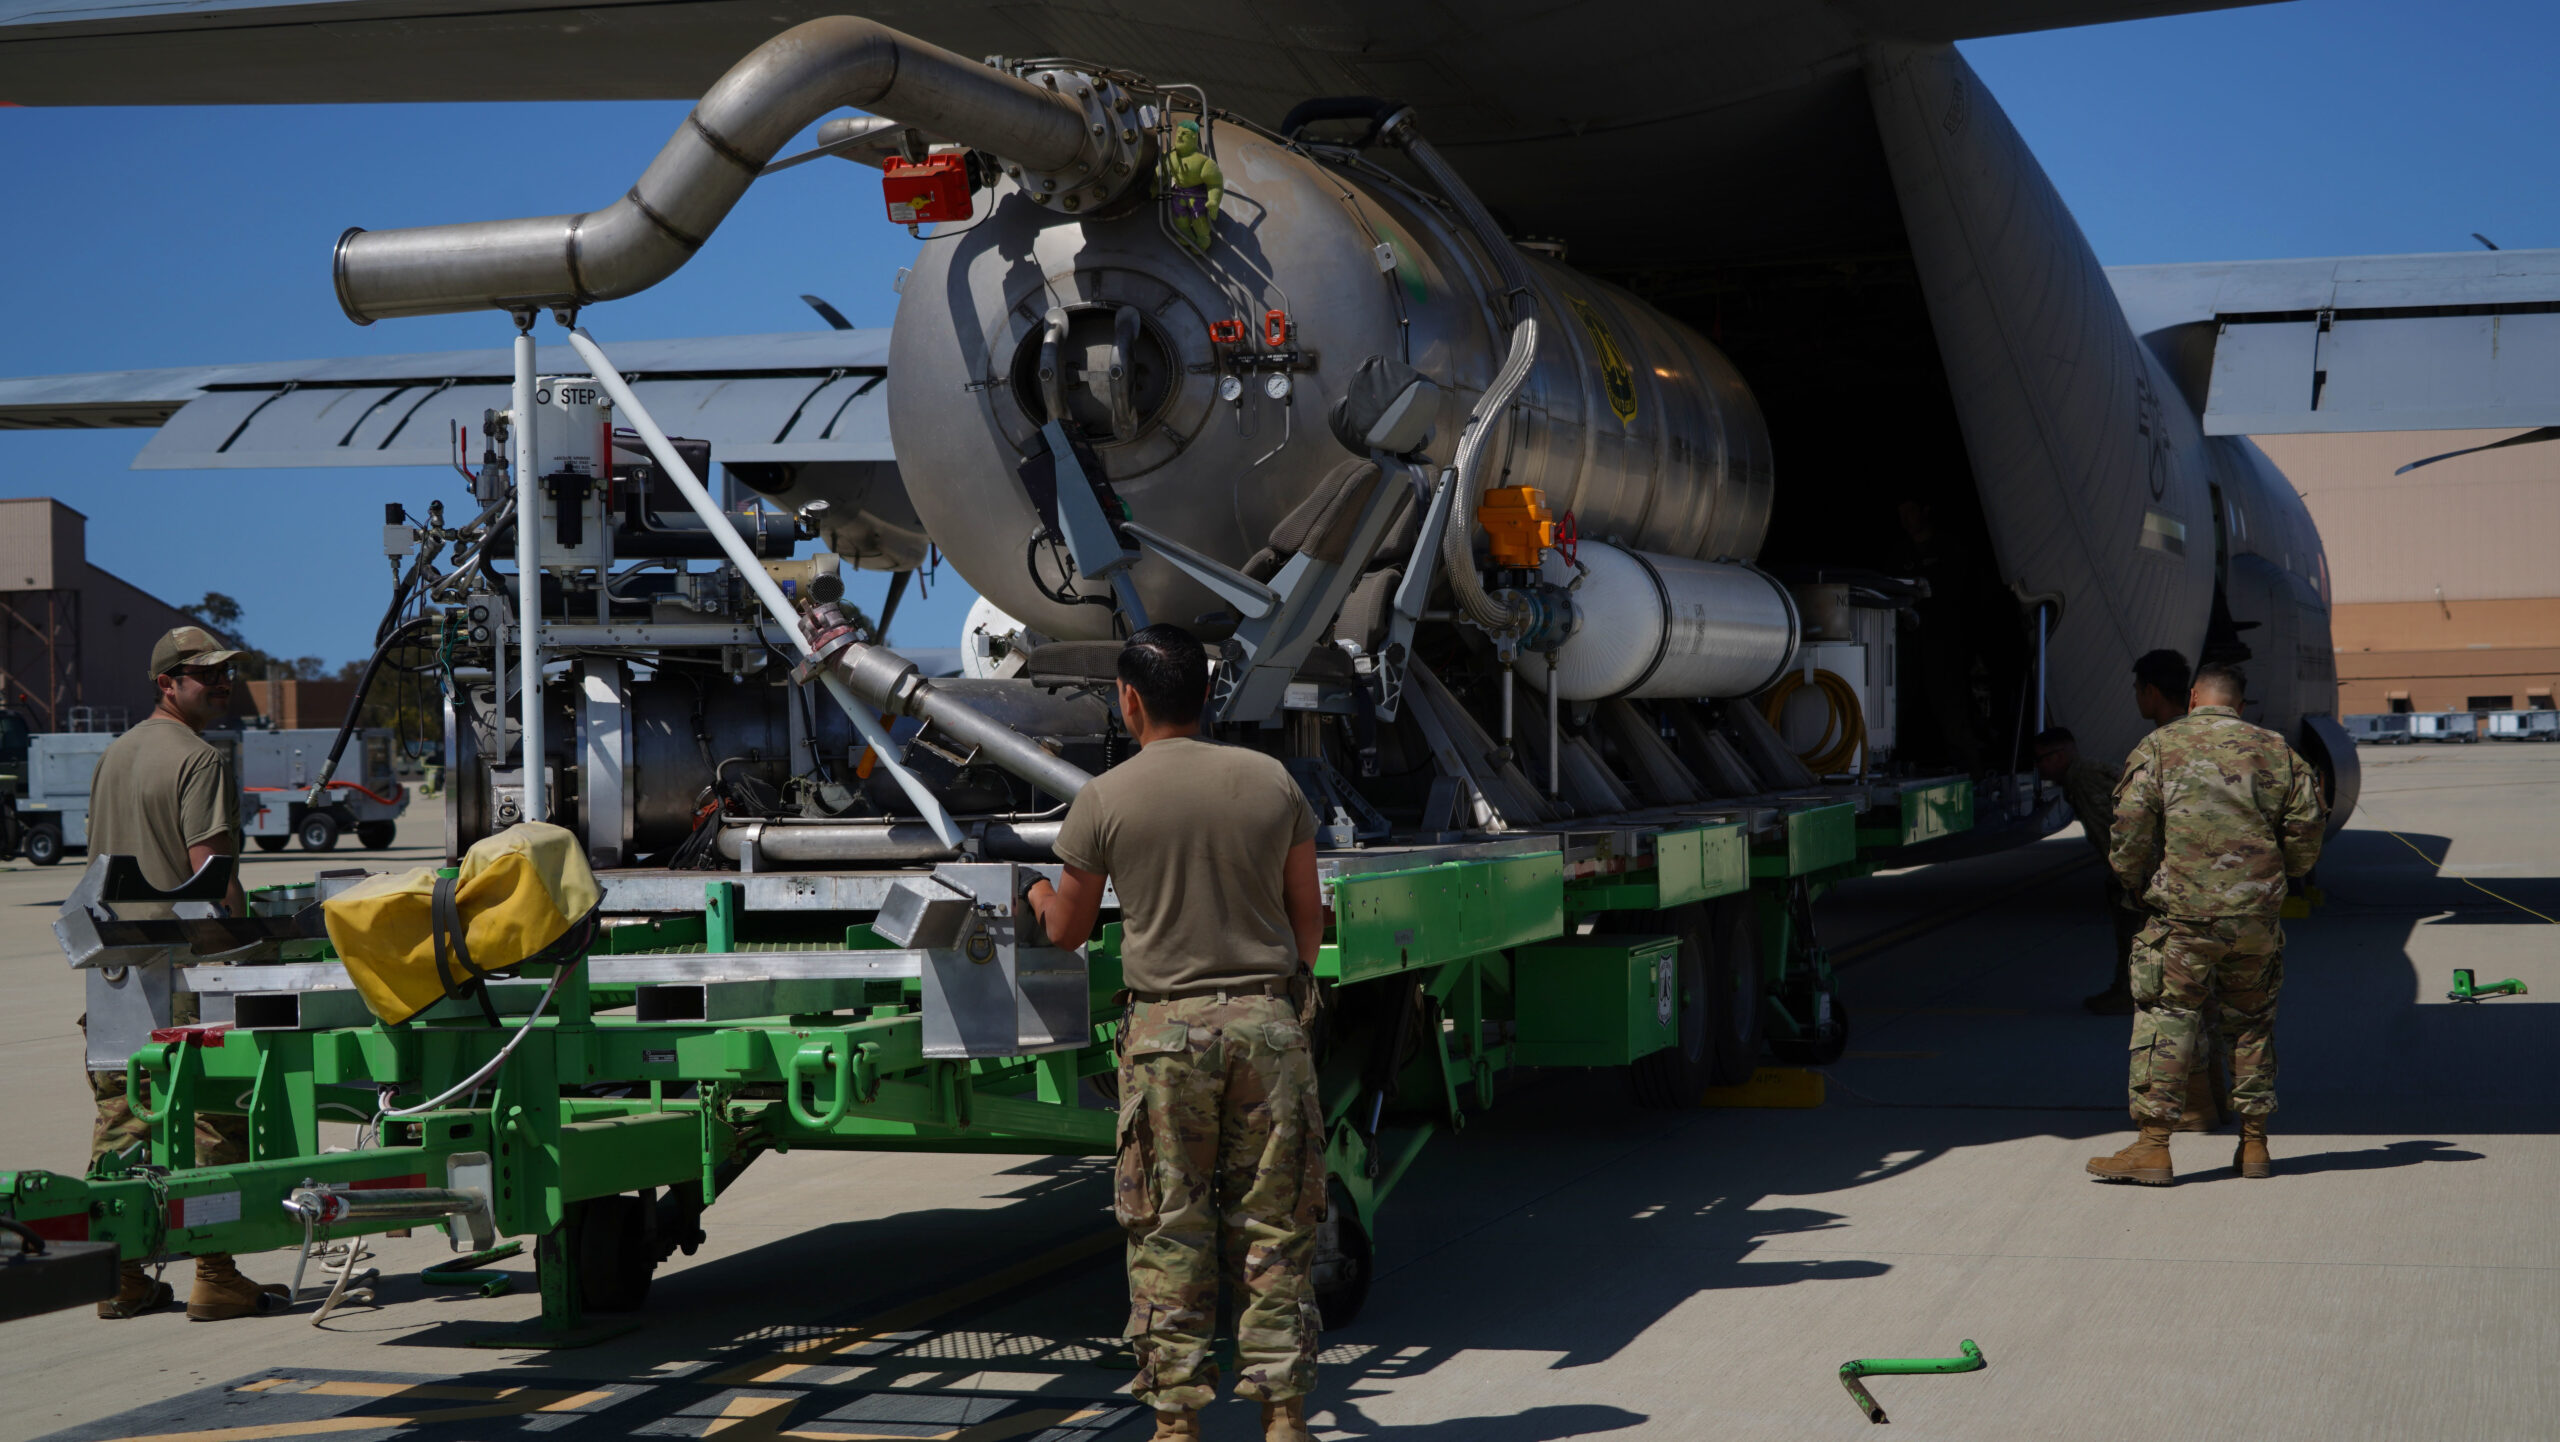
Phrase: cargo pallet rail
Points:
(714, 1021)
(810, 863)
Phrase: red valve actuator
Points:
(934, 189)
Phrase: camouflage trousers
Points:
(1221, 1182)
(220, 1139)
(2194, 981)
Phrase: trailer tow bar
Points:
(1857, 1367)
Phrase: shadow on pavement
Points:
(1538, 1424)
(2369, 1159)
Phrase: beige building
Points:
(75, 641)
(2446, 580)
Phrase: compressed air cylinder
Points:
(1654, 625)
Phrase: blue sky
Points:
(155, 237)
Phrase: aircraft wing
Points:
(2459, 341)
(1259, 59)
(802, 396)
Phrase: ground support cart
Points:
(718, 1018)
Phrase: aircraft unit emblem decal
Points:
(1616, 371)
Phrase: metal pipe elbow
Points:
(641, 239)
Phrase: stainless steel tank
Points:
(1630, 420)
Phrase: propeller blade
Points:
(2547, 433)
(828, 313)
(2484, 240)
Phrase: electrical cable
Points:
(355, 704)
(1844, 724)
(490, 1067)
(1067, 576)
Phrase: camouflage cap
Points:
(188, 646)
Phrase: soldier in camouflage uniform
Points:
(2212, 817)
(1221, 1180)
(2089, 787)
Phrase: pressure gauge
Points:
(1276, 385)
(1230, 388)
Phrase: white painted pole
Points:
(762, 583)
(528, 578)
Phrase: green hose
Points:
(460, 1271)
(1851, 1371)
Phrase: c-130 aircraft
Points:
(2049, 476)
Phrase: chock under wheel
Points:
(1855, 1368)
(2464, 990)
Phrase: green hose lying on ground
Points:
(1852, 1370)
(460, 1271)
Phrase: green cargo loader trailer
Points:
(651, 1078)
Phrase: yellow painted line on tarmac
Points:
(525, 1402)
(800, 1356)
(760, 1419)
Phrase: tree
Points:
(219, 614)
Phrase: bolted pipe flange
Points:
(1108, 177)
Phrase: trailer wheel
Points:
(271, 843)
(319, 831)
(376, 834)
(615, 1251)
(1346, 1258)
(1733, 979)
(42, 845)
(1675, 1076)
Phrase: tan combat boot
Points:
(1178, 1425)
(221, 1293)
(2146, 1161)
(137, 1292)
(2201, 1113)
(2250, 1159)
(1285, 1421)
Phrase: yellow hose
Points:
(1844, 726)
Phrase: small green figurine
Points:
(1196, 186)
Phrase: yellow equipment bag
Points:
(409, 941)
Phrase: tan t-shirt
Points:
(160, 789)
(1194, 836)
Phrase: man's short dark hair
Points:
(2166, 670)
(2223, 679)
(2053, 736)
(1169, 669)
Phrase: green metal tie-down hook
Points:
(1851, 1371)
(2463, 990)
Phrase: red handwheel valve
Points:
(1568, 536)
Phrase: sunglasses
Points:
(206, 674)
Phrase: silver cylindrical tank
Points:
(1655, 625)
(1630, 420)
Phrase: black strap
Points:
(448, 929)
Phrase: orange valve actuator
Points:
(1518, 524)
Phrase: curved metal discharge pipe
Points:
(764, 100)
(1457, 543)
(855, 843)
(891, 682)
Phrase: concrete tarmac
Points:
(1571, 1266)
